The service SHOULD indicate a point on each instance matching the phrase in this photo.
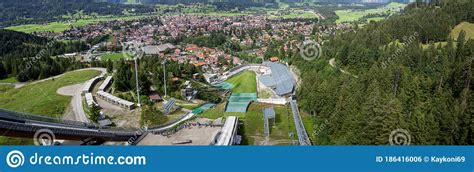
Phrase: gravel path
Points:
(75, 106)
(69, 90)
(332, 62)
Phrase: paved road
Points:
(76, 103)
(15, 84)
(77, 107)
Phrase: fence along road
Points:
(300, 130)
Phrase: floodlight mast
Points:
(136, 81)
(164, 75)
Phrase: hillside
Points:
(18, 49)
(355, 15)
(427, 92)
(19, 43)
(16, 12)
(203, 1)
(465, 26)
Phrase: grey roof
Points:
(157, 49)
(114, 99)
(105, 122)
(90, 100)
(105, 84)
(267, 80)
(88, 87)
(151, 49)
(280, 79)
(269, 112)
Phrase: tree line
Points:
(28, 57)
(426, 90)
(40, 11)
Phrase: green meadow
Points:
(62, 26)
(41, 98)
(354, 15)
(244, 82)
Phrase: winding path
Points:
(332, 62)
(76, 92)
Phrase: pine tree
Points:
(94, 113)
(3, 72)
(460, 45)
(110, 66)
(374, 113)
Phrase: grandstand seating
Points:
(239, 102)
(224, 85)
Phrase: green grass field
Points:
(5, 87)
(395, 5)
(8, 80)
(252, 130)
(349, 15)
(436, 44)
(295, 14)
(466, 26)
(308, 124)
(62, 26)
(374, 19)
(112, 56)
(221, 14)
(41, 98)
(214, 113)
(244, 82)
(355, 15)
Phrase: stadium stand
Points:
(224, 85)
(239, 69)
(90, 100)
(239, 102)
(279, 80)
(115, 100)
(89, 84)
(105, 84)
(203, 108)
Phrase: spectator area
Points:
(224, 85)
(239, 102)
